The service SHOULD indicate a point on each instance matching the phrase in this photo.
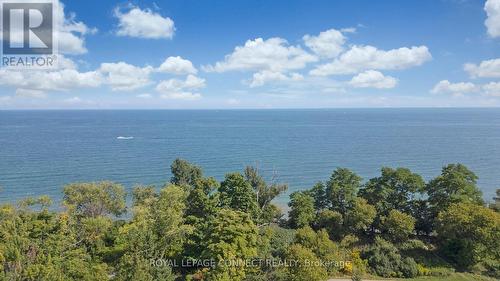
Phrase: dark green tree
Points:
(236, 193)
(342, 189)
(184, 173)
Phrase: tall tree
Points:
(342, 189)
(232, 237)
(236, 193)
(265, 192)
(302, 211)
(456, 184)
(184, 173)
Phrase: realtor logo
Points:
(28, 39)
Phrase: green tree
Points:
(360, 217)
(43, 245)
(157, 231)
(470, 234)
(456, 184)
(95, 199)
(302, 211)
(265, 194)
(342, 189)
(305, 265)
(231, 240)
(184, 173)
(236, 193)
(318, 192)
(398, 226)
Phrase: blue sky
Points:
(268, 54)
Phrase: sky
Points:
(191, 54)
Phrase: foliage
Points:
(456, 184)
(184, 173)
(95, 199)
(302, 211)
(305, 265)
(470, 235)
(398, 226)
(435, 230)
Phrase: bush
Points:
(384, 260)
(409, 268)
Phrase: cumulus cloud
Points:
(456, 89)
(177, 65)
(492, 8)
(486, 69)
(373, 79)
(328, 44)
(144, 24)
(122, 76)
(181, 89)
(61, 80)
(70, 33)
(274, 54)
(262, 77)
(492, 89)
(360, 58)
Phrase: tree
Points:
(231, 239)
(394, 189)
(184, 173)
(469, 234)
(342, 189)
(237, 194)
(43, 245)
(385, 260)
(397, 226)
(456, 184)
(95, 199)
(318, 192)
(360, 217)
(302, 211)
(305, 265)
(331, 221)
(265, 192)
(157, 231)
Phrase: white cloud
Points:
(262, 77)
(492, 89)
(28, 93)
(456, 89)
(144, 24)
(70, 33)
(181, 89)
(373, 79)
(177, 65)
(274, 54)
(328, 44)
(122, 76)
(492, 8)
(360, 58)
(144, 96)
(486, 69)
(61, 80)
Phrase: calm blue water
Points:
(41, 151)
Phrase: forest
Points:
(396, 225)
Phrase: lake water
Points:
(41, 151)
